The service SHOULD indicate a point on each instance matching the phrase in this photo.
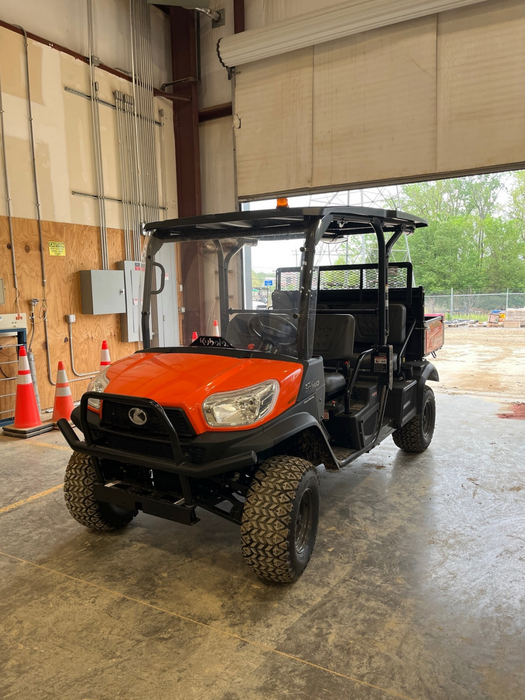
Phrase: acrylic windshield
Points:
(242, 292)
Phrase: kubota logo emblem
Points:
(137, 416)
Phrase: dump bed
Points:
(434, 332)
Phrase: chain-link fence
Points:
(472, 306)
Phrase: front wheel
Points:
(417, 434)
(78, 492)
(280, 518)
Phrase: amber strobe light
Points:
(282, 202)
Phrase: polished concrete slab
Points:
(415, 589)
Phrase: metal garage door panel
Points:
(274, 141)
(375, 104)
(481, 96)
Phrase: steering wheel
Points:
(268, 334)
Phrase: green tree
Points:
(472, 242)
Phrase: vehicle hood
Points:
(185, 380)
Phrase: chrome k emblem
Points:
(137, 416)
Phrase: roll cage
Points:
(312, 224)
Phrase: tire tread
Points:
(410, 437)
(266, 519)
(78, 493)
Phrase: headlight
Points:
(243, 407)
(99, 383)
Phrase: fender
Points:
(428, 373)
(275, 432)
(298, 433)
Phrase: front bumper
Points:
(94, 446)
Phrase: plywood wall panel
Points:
(374, 104)
(63, 295)
(274, 111)
(481, 96)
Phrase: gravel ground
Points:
(485, 361)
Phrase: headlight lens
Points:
(243, 407)
(99, 383)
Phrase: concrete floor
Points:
(415, 589)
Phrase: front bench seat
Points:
(334, 341)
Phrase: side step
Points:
(134, 497)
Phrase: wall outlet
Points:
(70, 318)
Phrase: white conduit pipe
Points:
(138, 154)
(97, 142)
(124, 173)
(324, 25)
(139, 125)
(8, 202)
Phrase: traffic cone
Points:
(105, 360)
(27, 418)
(63, 399)
(216, 332)
(194, 336)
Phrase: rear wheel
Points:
(78, 493)
(417, 434)
(280, 518)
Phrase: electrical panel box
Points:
(15, 321)
(130, 320)
(102, 292)
(2, 293)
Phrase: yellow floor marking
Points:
(48, 444)
(226, 633)
(6, 509)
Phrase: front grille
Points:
(150, 448)
(115, 415)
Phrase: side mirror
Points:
(162, 278)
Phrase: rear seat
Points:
(366, 333)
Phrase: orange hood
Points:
(185, 380)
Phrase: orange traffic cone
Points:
(27, 418)
(216, 332)
(105, 360)
(63, 399)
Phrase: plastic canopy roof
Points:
(282, 223)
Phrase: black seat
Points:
(366, 333)
(334, 382)
(334, 341)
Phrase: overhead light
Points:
(324, 25)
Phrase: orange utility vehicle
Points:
(239, 424)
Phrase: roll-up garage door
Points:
(432, 96)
